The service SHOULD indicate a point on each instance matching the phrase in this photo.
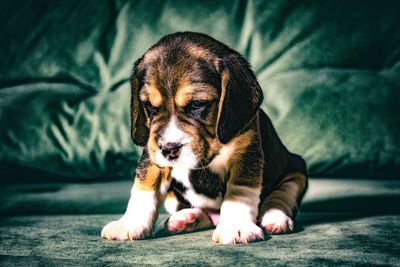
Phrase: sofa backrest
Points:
(330, 73)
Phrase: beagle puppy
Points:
(211, 155)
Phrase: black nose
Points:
(171, 150)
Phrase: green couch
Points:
(330, 71)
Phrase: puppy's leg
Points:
(279, 208)
(239, 209)
(147, 193)
(237, 222)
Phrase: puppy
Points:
(211, 155)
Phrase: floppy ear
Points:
(241, 97)
(139, 129)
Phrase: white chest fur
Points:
(220, 163)
(195, 199)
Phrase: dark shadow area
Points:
(347, 208)
(381, 204)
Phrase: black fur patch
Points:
(207, 183)
(179, 190)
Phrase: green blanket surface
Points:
(329, 71)
(321, 240)
(342, 223)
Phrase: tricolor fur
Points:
(210, 153)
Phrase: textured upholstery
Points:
(329, 71)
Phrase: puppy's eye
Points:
(197, 108)
(151, 110)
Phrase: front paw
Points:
(119, 230)
(233, 233)
(187, 220)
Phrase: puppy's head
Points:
(190, 94)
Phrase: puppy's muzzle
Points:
(171, 151)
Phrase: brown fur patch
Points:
(152, 94)
(241, 144)
(224, 82)
(194, 91)
(200, 52)
(150, 180)
(246, 163)
(287, 195)
(183, 95)
(151, 144)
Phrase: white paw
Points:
(187, 220)
(276, 221)
(118, 230)
(233, 233)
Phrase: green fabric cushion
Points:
(329, 69)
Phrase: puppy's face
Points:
(180, 96)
